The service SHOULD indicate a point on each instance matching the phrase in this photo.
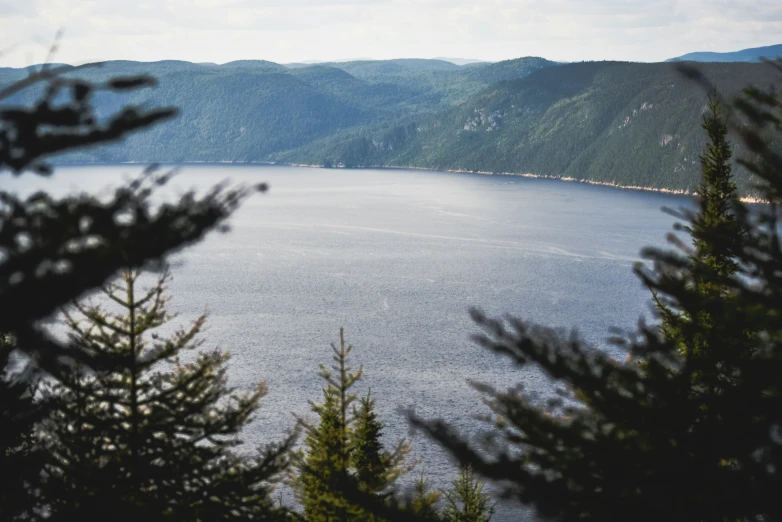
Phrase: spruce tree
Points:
(702, 331)
(693, 433)
(424, 502)
(369, 460)
(325, 467)
(148, 435)
(344, 451)
(57, 248)
(466, 500)
(715, 230)
(376, 469)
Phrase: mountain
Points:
(747, 55)
(629, 124)
(248, 109)
(318, 62)
(237, 111)
(460, 61)
(443, 82)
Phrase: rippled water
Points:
(397, 258)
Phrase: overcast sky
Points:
(297, 30)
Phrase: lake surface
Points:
(397, 258)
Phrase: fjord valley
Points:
(618, 123)
(396, 258)
(362, 291)
(246, 110)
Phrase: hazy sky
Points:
(296, 30)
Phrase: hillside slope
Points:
(609, 122)
(246, 110)
(440, 82)
(754, 54)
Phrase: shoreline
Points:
(675, 192)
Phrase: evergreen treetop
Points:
(344, 451)
(148, 434)
(701, 329)
(715, 233)
(377, 469)
(424, 502)
(466, 501)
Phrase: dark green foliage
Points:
(20, 458)
(609, 122)
(344, 451)
(692, 434)
(424, 502)
(149, 436)
(430, 84)
(466, 501)
(325, 467)
(714, 230)
(369, 457)
(244, 111)
(51, 126)
(717, 238)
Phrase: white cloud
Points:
(291, 30)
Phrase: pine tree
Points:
(424, 502)
(376, 469)
(371, 466)
(715, 230)
(344, 450)
(466, 500)
(703, 331)
(326, 468)
(149, 436)
(326, 464)
(56, 249)
(690, 435)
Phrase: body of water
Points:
(397, 258)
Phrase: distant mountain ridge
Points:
(246, 110)
(754, 54)
(630, 124)
(461, 61)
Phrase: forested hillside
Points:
(611, 122)
(246, 110)
(444, 82)
(630, 124)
